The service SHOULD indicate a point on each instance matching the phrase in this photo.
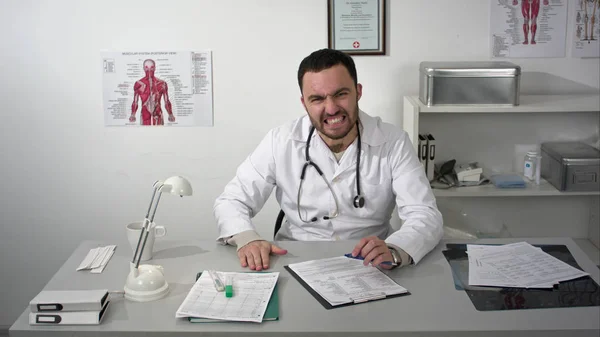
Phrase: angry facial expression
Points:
(331, 101)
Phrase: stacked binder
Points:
(68, 307)
(426, 153)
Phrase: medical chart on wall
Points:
(157, 88)
(586, 29)
(528, 28)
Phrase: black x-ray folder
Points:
(580, 292)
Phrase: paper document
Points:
(251, 294)
(518, 265)
(341, 280)
(97, 259)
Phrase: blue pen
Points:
(387, 263)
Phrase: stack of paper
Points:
(251, 296)
(518, 265)
(97, 259)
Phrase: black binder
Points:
(326, 304)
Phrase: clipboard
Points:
(328, 305)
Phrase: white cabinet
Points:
(493, 136)
(489, 134)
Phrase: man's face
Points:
(331, 101)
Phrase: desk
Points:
(434, 307)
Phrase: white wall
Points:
(67, 178)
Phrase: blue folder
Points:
(508, 181)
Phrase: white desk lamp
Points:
(147, 282)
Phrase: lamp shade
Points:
(177, 185)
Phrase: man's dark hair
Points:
(324, 59)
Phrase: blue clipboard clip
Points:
(387, 263)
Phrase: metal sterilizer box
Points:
(571, 166)
(483, 82)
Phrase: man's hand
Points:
(256, 254)
(132, 118)
(375, 251)
(171, 118)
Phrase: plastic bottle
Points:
(531, 167)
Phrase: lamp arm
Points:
(157, 185)
(147, 224)
(155, 207)
(146, 230)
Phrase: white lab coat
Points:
(390, 174)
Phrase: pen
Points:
(229, 287)
(387, 263)
(216, 280)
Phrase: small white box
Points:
(468, 172)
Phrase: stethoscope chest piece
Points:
(359, 201)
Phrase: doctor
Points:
(337, 174)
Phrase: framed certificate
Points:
(357, 27)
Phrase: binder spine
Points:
(430, 157)
(69, 301)
(49, 319)
(69, 318)
(422, 153)
(49, 307)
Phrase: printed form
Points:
(251, 294)
(341, 280)
(517, 265)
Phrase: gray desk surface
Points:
(434, 307)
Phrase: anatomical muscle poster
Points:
(528, 28)
(587, 29)
(157, 88)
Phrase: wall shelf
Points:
(528, 104)
(494, 135)
(489, 190)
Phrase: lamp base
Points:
(145, 283)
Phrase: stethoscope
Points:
(358, 201)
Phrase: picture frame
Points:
(357, 27)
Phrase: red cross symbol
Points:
(356, 44)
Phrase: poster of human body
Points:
(528, 28)
(587, 29)
(157, 88)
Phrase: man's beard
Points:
(319, 125)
